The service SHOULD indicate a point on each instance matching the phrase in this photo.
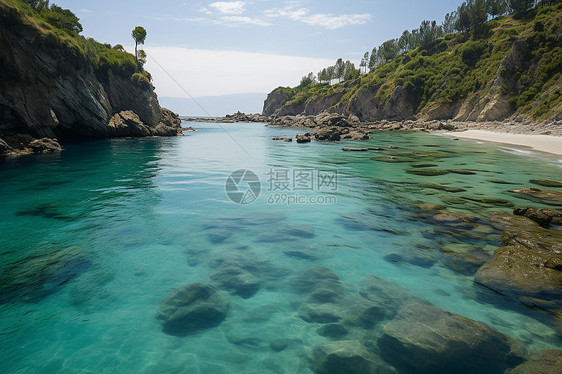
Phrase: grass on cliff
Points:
(102, 57)
(460, 66)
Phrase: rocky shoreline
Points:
(344, 125)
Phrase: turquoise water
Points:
(93, 239)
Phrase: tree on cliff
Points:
(520, 6)
(139, 35)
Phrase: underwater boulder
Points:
(425, 339)
(347, 357)
(544, 362)
(192, 308)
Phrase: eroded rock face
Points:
(53, 91)
(192, 308)
(426, 339)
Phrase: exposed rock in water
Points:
(304, 138)
(45, 145)
(548, 197)
(348, 357)
(543, 362)
(544, 217)
(192, 308)
(328, 134)
(354, 149)
(426, 339)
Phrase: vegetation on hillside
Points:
(60, 29)
(453, 66)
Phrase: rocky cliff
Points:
(51, 88)
(514, 72)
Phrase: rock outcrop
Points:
(50, 89)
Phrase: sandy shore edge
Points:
(542, 143)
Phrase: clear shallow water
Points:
(108, 229)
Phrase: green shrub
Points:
(141, 80)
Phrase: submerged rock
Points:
(544, 362)
(528, 269)
(427, 172)
(490, 201)
(426, 339)
(348, 357)
(462, 171)
(192, 308)
(236, 280)
(42, 274)
(546, 183)
(335, 331)
(387, 295)
(354, 149)
(444, 188)
(467, 263)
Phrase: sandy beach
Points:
(543, 143)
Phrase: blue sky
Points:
(227, 47)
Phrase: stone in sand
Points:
(192, 308)
(425, 339)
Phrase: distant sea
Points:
(215, 106)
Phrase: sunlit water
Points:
(136, 218)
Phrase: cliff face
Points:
(512, 72)
(47, 89)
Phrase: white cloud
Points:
(213, 73)
(327, 21)
(206, 11)
(237, 20)
(229, 7)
